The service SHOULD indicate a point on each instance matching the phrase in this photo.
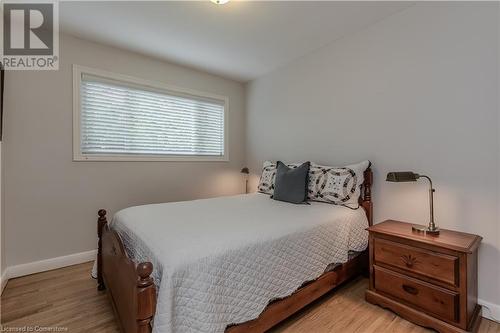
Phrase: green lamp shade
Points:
(402, 176)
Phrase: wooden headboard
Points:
(365, 200)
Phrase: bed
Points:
(236, 264)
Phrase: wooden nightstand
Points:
(429, 280)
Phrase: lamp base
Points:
(424, 229)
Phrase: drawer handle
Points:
(410, 289)
(409, 260)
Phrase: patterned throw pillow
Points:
(340, 186)
(268, 177)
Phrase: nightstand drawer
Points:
(434, 265)
(431, 299)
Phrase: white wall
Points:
(498, 149)
(415, 91)
(2, 233)
(51, 202)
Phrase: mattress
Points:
(220, 261)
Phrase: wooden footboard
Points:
(277, 311)
(130, 286)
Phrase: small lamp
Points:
(408, 176)
(245, 171)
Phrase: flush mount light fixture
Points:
(220, 2)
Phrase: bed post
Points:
(367, 195)
(146, 297)
(101, 222)
(366, 202)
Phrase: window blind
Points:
(120, 118)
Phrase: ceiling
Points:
(241, 40)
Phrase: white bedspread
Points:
(220, 261)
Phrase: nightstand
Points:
(430, 280)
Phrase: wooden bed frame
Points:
(133, 292)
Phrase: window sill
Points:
(148, 158)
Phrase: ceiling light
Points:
(220, 2)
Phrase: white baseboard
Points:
(490, 311)
(48, 264)
(3, 281)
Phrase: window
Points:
(122, 118)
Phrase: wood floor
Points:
(67, 298)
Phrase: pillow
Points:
(268, 176)
(266, 183)
(291, 183)
(340, 186)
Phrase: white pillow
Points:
(340, 186)
(268, 177)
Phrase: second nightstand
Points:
(430, 280)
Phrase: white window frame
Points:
(78, 71)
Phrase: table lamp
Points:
(245, 171)
(409, 176)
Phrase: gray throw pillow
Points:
(291, 183)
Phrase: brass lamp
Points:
(408, 176)
(245, 171)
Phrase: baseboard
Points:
(491, 311)
(48, 264)
(3, 281)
